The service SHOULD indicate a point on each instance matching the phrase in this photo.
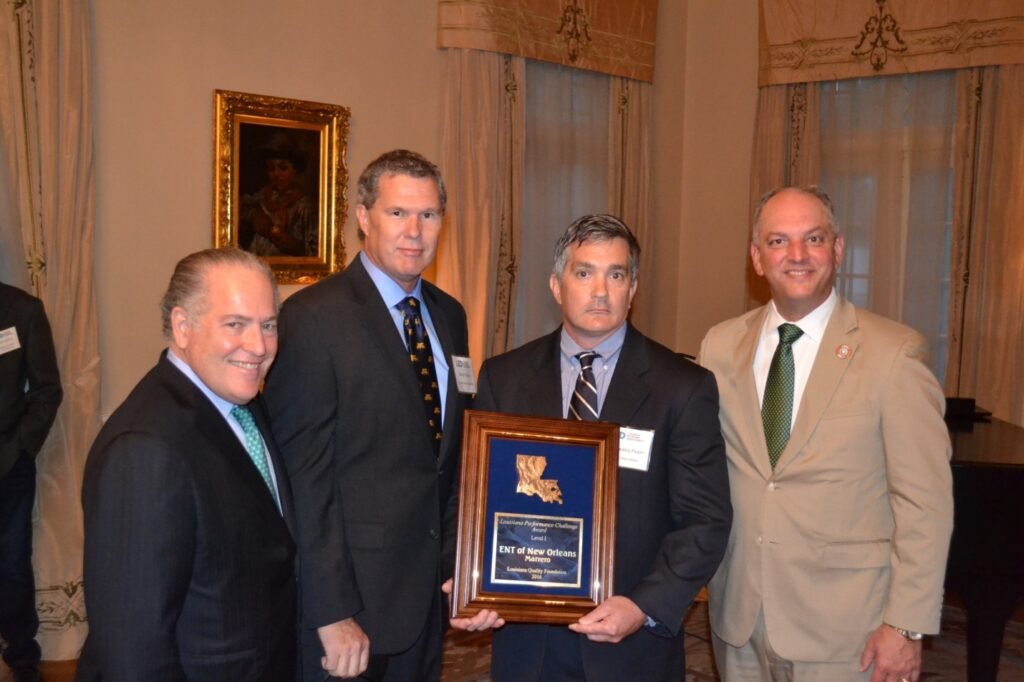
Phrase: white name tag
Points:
(635, 448)
(465, 379)
(9, 340)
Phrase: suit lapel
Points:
(211, 426)
(826, 373)
(545, 392)
(442, 326)
(377, 318)
(388, 343)
(627, 391)
(284, 489)
(750, 427)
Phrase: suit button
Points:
(433, 534)
(772, 486)
(440, 472)
(759, 540)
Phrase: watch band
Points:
(908, 634)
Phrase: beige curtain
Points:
(968, 99)
(989, 356)
(488, 239)
(47, 140)
(787, 139)
(630, 108)
(482, 139)
(809, 40)
(614, 37)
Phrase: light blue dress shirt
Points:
(393, 294)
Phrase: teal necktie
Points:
(777, 406)
(254, 445)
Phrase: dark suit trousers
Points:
(420, 662)
(18, 618)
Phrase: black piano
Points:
(986, 558)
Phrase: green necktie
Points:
(254, 445)
(777, 406)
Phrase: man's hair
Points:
(601, 227)
(398, 162)
(812, 191)
(187, 288)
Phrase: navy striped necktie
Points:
(583, 404)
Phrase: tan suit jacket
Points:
(852, 528)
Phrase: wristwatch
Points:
(909, 634)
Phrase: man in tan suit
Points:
(841, 486)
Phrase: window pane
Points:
(565, 176)
(887, 146)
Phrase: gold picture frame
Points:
(536, 550)
(280, 181)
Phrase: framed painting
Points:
(280, 182)
(536, 533)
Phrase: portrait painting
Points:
(280, 179)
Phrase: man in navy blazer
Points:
(673, 501)
(189, 557)
(374, 479)
(30, 394)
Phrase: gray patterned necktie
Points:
(583, 403)
(777, 405)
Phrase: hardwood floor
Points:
(49, 671)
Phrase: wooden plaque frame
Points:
(541, 605)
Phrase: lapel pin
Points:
(843, 351)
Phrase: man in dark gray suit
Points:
(368, 411)
(189, 558)
(30, 394)
(673, 496)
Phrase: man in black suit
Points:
(30, 394)
(367, 408)
(673, 496)
(189, 558)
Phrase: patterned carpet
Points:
(467, 655)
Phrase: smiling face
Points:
(230, 338)
(594, 289)
(797, 252)
(402, 227)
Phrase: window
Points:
(887, 162)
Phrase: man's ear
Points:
(556, 287)
(362, 217)
(755, 259)
(181, 327)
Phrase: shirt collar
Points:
(812, 324)
(607, 348)
(223, 406)
(389, 289)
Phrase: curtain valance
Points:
(809, 40)
(610, 36)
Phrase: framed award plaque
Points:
(536, 535)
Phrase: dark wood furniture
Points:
(986, 560)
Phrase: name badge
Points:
(465, 379)
(9, 340)
(635, 448)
